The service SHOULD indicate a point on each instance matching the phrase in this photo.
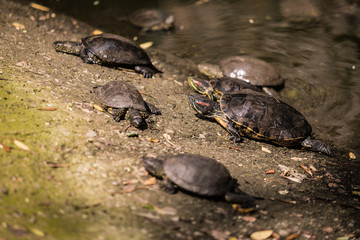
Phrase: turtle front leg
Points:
(168, 186)
(88, 57)
(136, 118)
(145, 71)
(317, 146)
(118, 113)
(229, 126)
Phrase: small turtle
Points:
(216, 87)
(197, 174)
(123, 97)
(259, 117)
(151, 19)
(110, 50)
(249, 69)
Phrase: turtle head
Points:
(201, 86)
(203, 105)
(154, 166)
(68, 47)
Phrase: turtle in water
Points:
(110, 50)
(150, 19)
(249, 69)
(216, 87)
(197, 174)
(259, 117)
(123, 97)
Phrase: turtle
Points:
(110, 50)
(199, 175)
(215, 87)
(260, 117)
(151, 19)
(123, 97)
(249, 69)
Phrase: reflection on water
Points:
(313, 44)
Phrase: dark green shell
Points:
(252, 70)
(198, 174)
(113, 49)
(118, 94)
(266, 118)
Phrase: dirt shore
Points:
(68, 171)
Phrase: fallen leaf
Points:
(352, 155)
(261, 235)
(37, 232)
(21, 145)
(97, 32)
(264, 149)
(146, 45)
(47, 109)
(328, 229)
(149, 206)
(39, 7)
(154, 140)
(248, 219)
(150, 181)
(6, 148)
(271, 171)
(97, 107)
(292, 236)
(219, 235)
(128, 189)
(306, 170)
(165, 211)
(18, 26)
(287, 201)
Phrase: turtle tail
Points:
(317, 146)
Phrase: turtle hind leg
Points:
(152, 109)
(317, 146)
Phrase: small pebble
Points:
(91, 134)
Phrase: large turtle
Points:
(249, 69)
(216, 87)
(259, 117)
(110, 50)
(197, 174)
(150, 19)
(123, 97)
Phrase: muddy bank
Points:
(71, 172)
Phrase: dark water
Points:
(313, 44)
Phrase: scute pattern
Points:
(198, 174)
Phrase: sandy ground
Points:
(68, 171)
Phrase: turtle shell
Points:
(251, 70)
(266, 118)
(198, 174)
(229, 85)
(118, 94)
(113, 49)
(148, 18)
